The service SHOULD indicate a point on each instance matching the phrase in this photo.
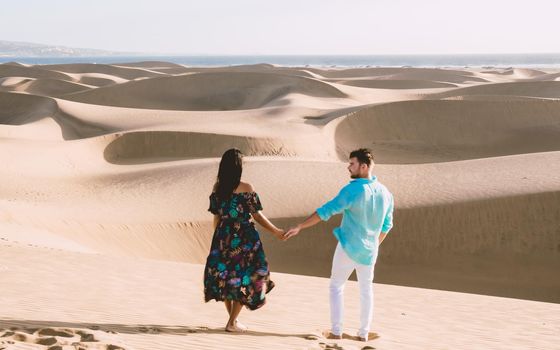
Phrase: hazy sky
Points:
(288, 26)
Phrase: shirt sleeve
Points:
(336, 205)
(388, 221)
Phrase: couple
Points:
(236, 269)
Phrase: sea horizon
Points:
(548, 60)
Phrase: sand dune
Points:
(150, 146)
(394, 84)
(13, 63)
(432, 131)
(544, 89)
(10, 70)
(121, 72)
(206, 91)
(24, 109)
(104, 197)
(548, 77)
(18, 109)
(265, 68)
(149, 64)
(494, 98)
(157, 66)
(518, 73)
(439, 205)
(97, 79)
(48, 87)
(10, 83)
(430, 74)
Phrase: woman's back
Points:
(238, 207)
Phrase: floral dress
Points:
(236, 268)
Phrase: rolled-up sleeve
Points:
(388, 221)
(336, 205)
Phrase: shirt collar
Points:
(362, 180)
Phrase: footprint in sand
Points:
(55, 339)
(47, 341)
(19, 337)
(333, 346)
(66, 333)
(372, 336)
(86, 337)
(150, 330)
(114, 347)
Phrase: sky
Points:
(287, 27)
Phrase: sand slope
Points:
(106, 166)
(143, 304)
(404, 132)
(206, 91)
(121, 72)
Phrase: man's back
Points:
(367, 208)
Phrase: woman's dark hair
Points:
(229, 173)
(363, 155)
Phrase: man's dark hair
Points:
(363, 155)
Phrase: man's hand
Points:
(292, 232)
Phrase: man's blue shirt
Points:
(367, 209)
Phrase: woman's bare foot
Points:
(236, 328)
(241, 325)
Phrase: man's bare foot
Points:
(371, 336)
(330, 335)
(235, 328)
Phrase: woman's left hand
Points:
(279, 233)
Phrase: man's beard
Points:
(354, 176)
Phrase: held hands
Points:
(279, 233)
(285, 235)
(291, 232)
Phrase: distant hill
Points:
(24, 49)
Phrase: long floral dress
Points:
(236, 268)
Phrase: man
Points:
(367, 209)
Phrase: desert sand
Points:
(106, 172)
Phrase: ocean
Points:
(551, 60)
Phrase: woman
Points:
(236, 269)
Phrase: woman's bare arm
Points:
(216, 221)
(269, 226)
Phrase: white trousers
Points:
(342, 267)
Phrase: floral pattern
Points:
(236, 268)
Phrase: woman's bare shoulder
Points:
(245, 187)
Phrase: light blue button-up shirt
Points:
(367, 209)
